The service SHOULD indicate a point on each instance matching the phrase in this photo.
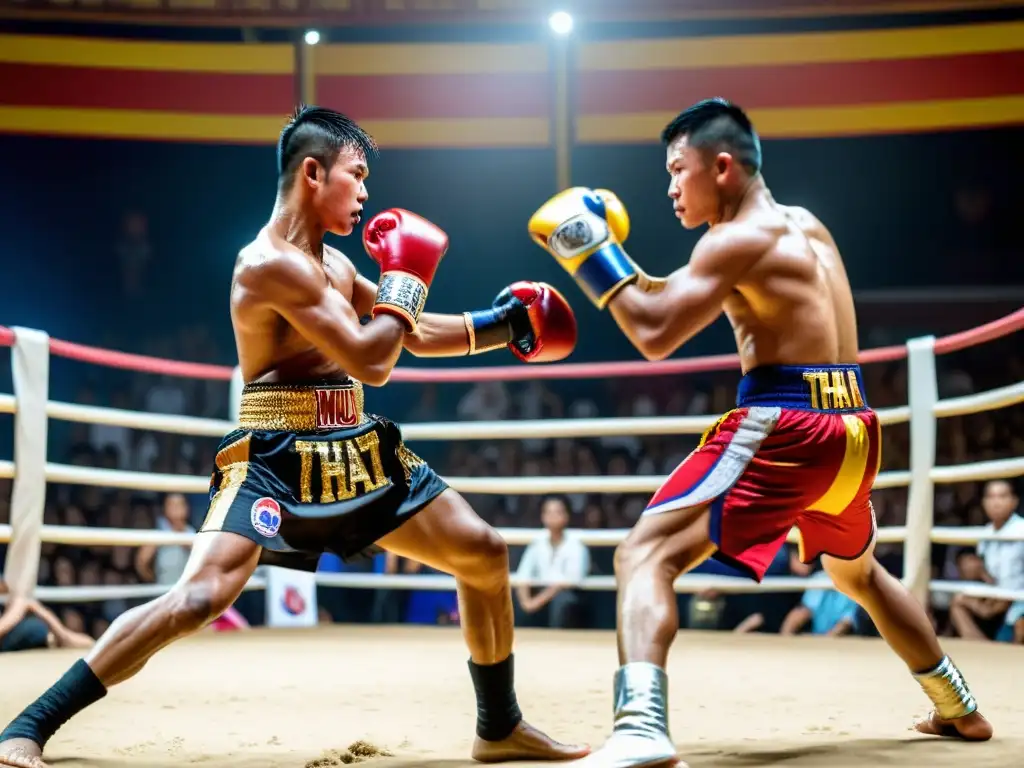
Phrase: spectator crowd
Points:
(556, 558)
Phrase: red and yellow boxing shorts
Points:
(801, 449)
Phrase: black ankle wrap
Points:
(497, 711)
(78, 689)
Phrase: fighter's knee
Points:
(487, 562)
(491, 548)
(629, 556)
(194, 603)
(855, 580)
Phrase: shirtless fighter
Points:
(307, 470)
(802, 447)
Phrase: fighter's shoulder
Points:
(264, 264)
(337, 261)
(806, 220)
(743, 239)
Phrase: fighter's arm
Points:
(437, 335)
(658, 316)
(532, 320)
(294, 288)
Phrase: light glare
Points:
(560, 22)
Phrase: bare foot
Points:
(972, 727)
(21, 753)
(525, 743)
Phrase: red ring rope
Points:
(987, 332)
(142, 363)
(952, 343)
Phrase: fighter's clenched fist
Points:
(408, 249)
(533, 319)
(584, 230)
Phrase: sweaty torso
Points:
(794, 306)
(269, 349)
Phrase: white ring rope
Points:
(6, 469)
(156, 422)
(996, 469)
(126, 479)
(8, 404)
(90, 536)
(102, 593)
(470, 430)
(993, 399)
(604, 484)
(637, 426)
(690, 583)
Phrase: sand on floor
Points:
(302, 698)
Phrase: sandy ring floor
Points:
(283, 698)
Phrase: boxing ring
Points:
(400, 696)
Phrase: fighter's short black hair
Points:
(718, 125)
(319, 133)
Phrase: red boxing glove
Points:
(532, 319)
(408, 249)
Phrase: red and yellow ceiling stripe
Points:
(502, 95)
(810, 84)
(440, 95)
(148, 90)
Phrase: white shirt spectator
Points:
(569, 562)
(170, 560)
(1004, 561)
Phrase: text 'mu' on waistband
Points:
(301, 407)
(830, 388)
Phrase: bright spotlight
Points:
(560, 22)
(312, 37)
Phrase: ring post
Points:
(30, 363)
(235, 394)
(922, 395)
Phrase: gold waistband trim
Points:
(301, 408)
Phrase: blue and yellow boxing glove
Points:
(584, 229)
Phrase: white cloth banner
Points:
(291, 598)
(30, 359)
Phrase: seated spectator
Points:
(997, 562)
(27, 624)
(164, 565)
(829, 612)
(765, 612)
(560, 561)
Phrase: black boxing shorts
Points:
(309, 472)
